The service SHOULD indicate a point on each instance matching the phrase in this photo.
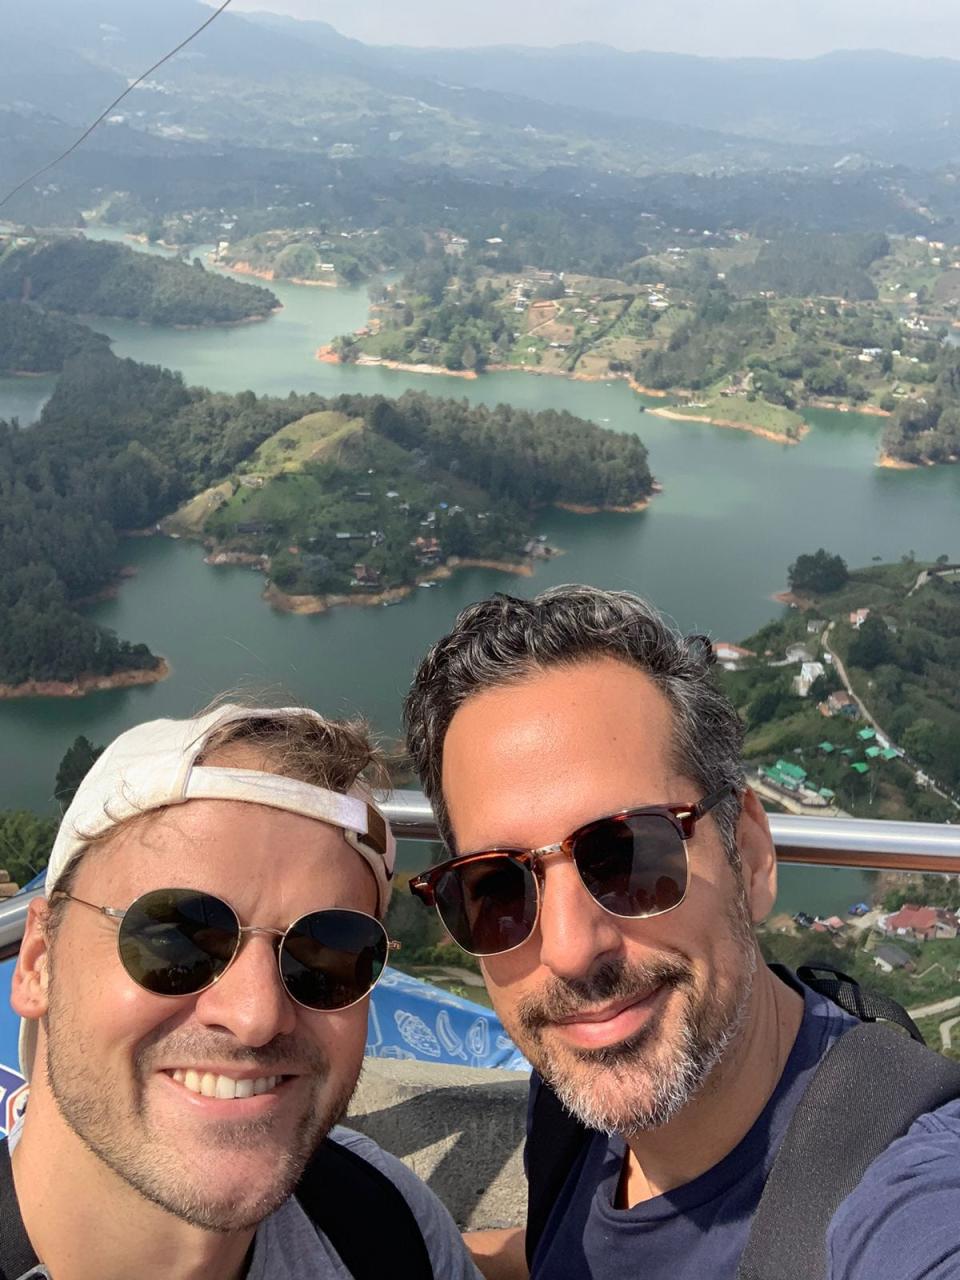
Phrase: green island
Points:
(71, 275)
(740, 331)
(349, 497)
(848, 701)
(370, 495)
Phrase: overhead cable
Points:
(116, 102)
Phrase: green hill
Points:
(86, 277)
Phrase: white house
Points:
(809, 672)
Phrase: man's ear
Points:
(758, 857)
(28, 990)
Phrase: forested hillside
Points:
(529, 458)
(928, 430)
(86, 277)
(117, 445)
(33, 342)
(807, 266)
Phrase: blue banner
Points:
(410, 1018)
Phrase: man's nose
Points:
(249, 1000)
(574, 930)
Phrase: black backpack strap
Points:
(555, 1144)
(845, 991)
(363, 1215)
(870, 1087)
(16, 1252)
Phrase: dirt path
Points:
(931, 1010)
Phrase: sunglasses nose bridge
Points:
(256, 928)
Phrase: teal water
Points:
(24, 398)
(711, 550)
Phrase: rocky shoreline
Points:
(306, 605)
(732, 424)
(268, 274)
(84, 684)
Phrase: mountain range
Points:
(577, 119)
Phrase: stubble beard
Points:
(644, 1082)
(152, 1161)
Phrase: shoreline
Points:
(89, 319)
(888, 463)
(792, 600)
(307, 605)
(837, 406)
(268, 274)
(82, 685)
(762, 432)
(327, 355)
(584, 509)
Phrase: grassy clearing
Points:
(189, 520)
(309, 439)
(758, 414)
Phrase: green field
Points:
(757, 413)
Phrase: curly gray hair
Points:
(504, 639)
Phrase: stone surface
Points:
(458, 1128)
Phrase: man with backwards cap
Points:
(193, 990)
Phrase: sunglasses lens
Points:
(633, 866)
(175, 942)
(331, 959)
(488, 904)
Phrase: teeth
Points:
(223, 1087)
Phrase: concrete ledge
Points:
(460, 1129)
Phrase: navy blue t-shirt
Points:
(695, 1231)
(903, 1221)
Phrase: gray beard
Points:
(635, 1086)
(671, 1084)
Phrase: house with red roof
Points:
(922, 923)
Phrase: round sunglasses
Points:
(634, 864)
(178, 942)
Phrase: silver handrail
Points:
(868, 843)
(863, 843)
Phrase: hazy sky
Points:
(779, 28)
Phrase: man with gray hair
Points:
(609, 863)
(194, 989)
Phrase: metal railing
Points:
(865, 844)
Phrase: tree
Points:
(74, 767)
(872, 645)
(25, 844)
(920, 740)
(818, 574)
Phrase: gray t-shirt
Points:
(288, 1246)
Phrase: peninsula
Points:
(740, 332)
